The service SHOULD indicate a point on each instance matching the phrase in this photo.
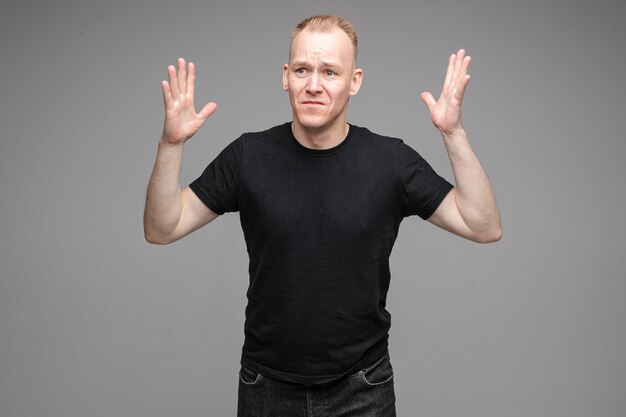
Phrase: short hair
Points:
(325, 23)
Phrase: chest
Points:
(334, 198)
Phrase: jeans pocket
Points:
(380, 372)
(248, 376)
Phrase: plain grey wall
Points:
(96, 322)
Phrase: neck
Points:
(322, 138)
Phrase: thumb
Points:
(428, 99)
(207, 110)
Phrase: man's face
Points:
(320, 78)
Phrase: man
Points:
(320, 202)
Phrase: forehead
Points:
(333, 45)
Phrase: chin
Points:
(312, 122)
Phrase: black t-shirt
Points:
(319, 227)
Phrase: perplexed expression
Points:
(320, 78)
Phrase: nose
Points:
(314, 86)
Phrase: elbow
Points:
(491, 236)
(155, 239)
(152, 234)
(151, 239)
(495, 237)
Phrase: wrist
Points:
(169, 144)
(455, 134)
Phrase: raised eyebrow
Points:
(325, 64)
(297, 64)
(334, 65)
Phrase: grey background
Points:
(96, 322)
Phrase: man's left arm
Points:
(469, 210)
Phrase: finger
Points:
(182, 76)
(167, 96)
(465, 64)
(458, 66)
(207, 110)
(460, 79)
(191, 79)
(467, 61)
(461, 89)
(449, 73)
(428, 99)
(171, 72)
(460, 55)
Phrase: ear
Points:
(357, 78)
(286, 77)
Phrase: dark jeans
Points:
(366, 393)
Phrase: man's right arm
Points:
(171, 213)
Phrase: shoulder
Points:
(267, 134)
(264, 138)
(363, 132)
(376, 140)
(400, 154)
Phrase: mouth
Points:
(313, 103)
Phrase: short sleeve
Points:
(218, 185)
(421, 188)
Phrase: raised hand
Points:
(446, 111)
(181, 119)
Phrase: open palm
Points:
(181, 119)
(446, 111)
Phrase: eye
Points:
(330, 73)
(300, 71)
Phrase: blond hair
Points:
(325, 23)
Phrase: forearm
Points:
(475, 198)
(163, 200)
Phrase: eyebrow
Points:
(330, 64)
